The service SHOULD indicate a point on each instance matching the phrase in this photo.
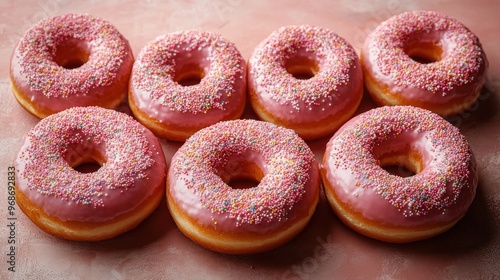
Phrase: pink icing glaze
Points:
(35, 72)
(461, 70)
(441, 193)
(290, 184)
(220, 93)
(339, 79)
(133, 164)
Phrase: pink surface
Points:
(326, 248)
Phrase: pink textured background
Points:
(326, 249)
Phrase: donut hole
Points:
(399, 170)
(189, 75)
(301, 67)
(404, 163)
(84, 157)
(72, 53)
(243, 182)
(424, 52)
(241, 174)
(88, 166)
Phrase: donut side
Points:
(173, 130)
(382, 95)
(108, 101)
(237, 242)
(313, 129)
(89, 231)
(380, 231)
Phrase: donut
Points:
(184, 81)
(388, 205)
(70, 60)
(213, 210)
(424, 59)
(306, 78)
(89, 205)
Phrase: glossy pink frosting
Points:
(289, 187)
(338, 80)
(133, 164)
(34, 70)
(440, 193)
(461, 70)
(221, 91)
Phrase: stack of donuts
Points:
(303, 82)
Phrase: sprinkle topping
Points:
(463, 55)
(333, 55)
(38, 47)
(160, 60)
(284, 158)
(436, 187)
(71, 135)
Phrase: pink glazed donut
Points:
(387, 206)
(424, 59)
(70, 60)
(305, 78)
(243, 220)
(185, 81)
(92, 206)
